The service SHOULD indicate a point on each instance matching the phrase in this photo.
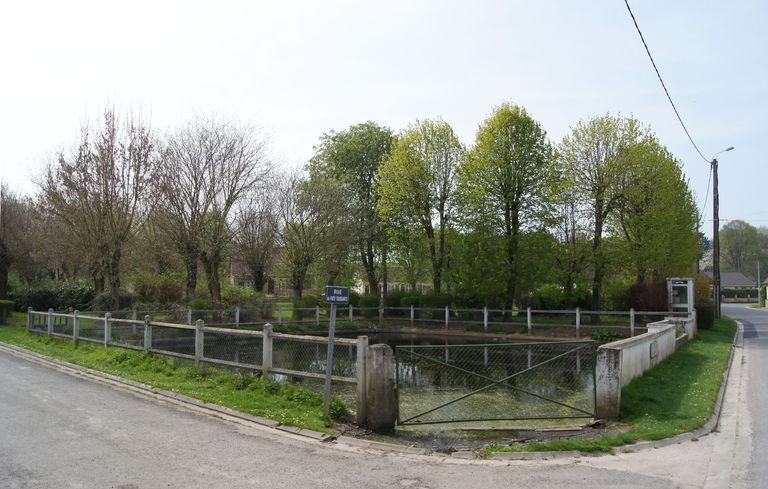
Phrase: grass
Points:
(286, 403)
(674, 397)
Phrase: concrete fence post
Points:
(266, 351)
(529, 320)
(362, 353)
(447, 315)
(317, 315)
(578, 322)
(279, 314)
(107, 329)
(632, 321)
(147, 333)
(199, 342)
(75, 327)
(50, 322)
(30, 319)
(351, 313)
(189, 316)
(413, 314)
(381, 389)
(237, 317)
(608, 383)
(134, 314)
(485, 320)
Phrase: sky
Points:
(298, 69)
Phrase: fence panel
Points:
(245, 350)
(126, 332)
(91, 328)
(173, 339)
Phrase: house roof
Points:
(733, 279)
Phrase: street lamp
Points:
(716, 233)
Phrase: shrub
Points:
(616, 296)
(354, 298)
(394, 298)
(705, 315)
(200, 303)
(58, 296)
(234, 296)
(6, 307)
(165, 288)
(411, 300)
(103, 301)
(606, 336)
(649, 297)
(436, 300)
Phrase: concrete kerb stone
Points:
(708, 428)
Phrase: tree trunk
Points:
(436, 265)
(512, 230)
(114, 278)
(258, 277)
(211, 265)
(384, 273)
(367, 258)
(191, 256)
(4, 267)
(598, 260)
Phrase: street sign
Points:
(336, 295)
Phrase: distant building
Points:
(734, 280)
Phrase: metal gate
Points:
(495, 382)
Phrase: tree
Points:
(505, 182)
(15, 222)
(656, 215)
(209, 165)
(595, 157)
(742, 246)
(354, 156)
(315, 226)
(102, 191)
(257, 227)
(417, 182)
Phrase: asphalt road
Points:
(756, 345)
(60, 431)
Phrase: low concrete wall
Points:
(621, 361)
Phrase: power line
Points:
(706, 194)
(626, 2)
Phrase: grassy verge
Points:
(288, 404)
(675, 397)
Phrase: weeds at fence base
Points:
(249, 393)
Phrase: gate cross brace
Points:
(496, 382)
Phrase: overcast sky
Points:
(299, 69)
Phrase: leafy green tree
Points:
(597, 161)
(417, 182)
(505, 182)
(742, 246)
(656, 214)
(354, 156)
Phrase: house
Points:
(734, 280)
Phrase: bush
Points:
(103, 301)
(705, 315)
(58, 297)
(394, 298)
(411, 300)
(354, 298)
(649, 297)
(6, 307)
(616, 296)
(234, 296)
(307, 301)
(546, 298)
(165, 288)
(436, 300)
(200, 303)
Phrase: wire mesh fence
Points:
(470, 383)
(126, 333)
(238, 349)
(310, 355)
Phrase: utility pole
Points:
(759, 287)
(715, 240)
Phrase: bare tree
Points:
(257, 226)
(102, 191)
(209, 167)
(15, 216)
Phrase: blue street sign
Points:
(336, 295)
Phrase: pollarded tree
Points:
(416, 186)
(354, 156)
(257, 228)
(597, 163)
(102, 191)
(505, 182)
(209, 166)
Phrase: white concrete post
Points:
(317, 315)
(447, 314)
(413, 314)
(280, 314)
(199, 341)
(30, 319)
(50, 322)
(632, 321)
(147, 334)
(266, 351)
(530, 358)
(107, 328)
(529, 320)
(362, 350)
(189, 316)
(134, 314)
(237, 317)
(351, 313)
(485, 323)
(578, 322)
(75, 328)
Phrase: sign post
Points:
(333, 297)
